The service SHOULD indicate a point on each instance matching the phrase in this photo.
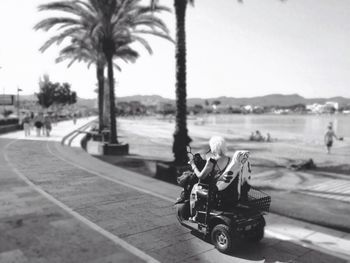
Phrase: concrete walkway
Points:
(59, 131)
(59, 204)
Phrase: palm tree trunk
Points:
(181, 138)
(106, 106)
(113, 136)
(100, 81)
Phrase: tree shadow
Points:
(275, 250)
(133, 163)
(341, 168)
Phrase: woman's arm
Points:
(206, 170)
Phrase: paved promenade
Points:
(59, 204)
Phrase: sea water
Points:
(303, 128)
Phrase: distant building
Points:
(328, 107)
(335, 105)
(248, 108)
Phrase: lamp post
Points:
(18, 90)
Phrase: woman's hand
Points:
(228, 176)
(191, 162)
(193, 165)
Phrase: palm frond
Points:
(58, 38)
(155, 33)
(48, 23)
(143, 42)
(117, 67)
(76, 8)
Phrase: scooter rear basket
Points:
(257, 200)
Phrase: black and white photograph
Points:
(209, 131)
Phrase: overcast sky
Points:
(239, 50)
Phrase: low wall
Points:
(9, 128)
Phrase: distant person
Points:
(54, 119)
(252, 137)
(258, 136)
(328, 137)
(26, 125)
(38, 124)
(47, 125)
(268, 137)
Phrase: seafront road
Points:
(59, 204)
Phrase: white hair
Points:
(217, 145)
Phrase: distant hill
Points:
(268, 100)
(90, 103)
(146, 99)
(273, 100)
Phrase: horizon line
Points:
(205, 98)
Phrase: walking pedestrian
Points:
(47, 125)
(38, 123)
(26, 125)
(328, 137)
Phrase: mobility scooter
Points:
(227, 224)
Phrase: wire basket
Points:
(257, 199)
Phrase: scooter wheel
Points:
(258, 232)
(222, 238)
(183, 211)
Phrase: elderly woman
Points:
(217, 161)
(213, 169)
(230, 177)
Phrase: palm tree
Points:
(81, 49)
(83, 46)
(112, 26)
(181, 137)
(123, 22)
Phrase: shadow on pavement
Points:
(275, 250)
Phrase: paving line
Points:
(341, 188)
(332, 190)
(70, 136)
(321, 186)
(330, 186)
(336, 175)
(80, 133)
(135, 251)
(268, 231)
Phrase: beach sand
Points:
(152, 138)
